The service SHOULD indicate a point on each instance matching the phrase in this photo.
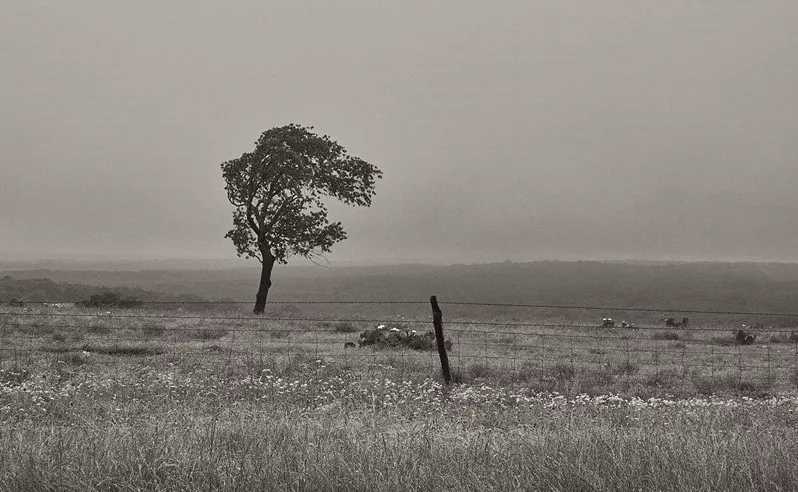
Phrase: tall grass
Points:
(257, 450)
(175, 406)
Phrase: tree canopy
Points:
(278, 192)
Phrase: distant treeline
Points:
(46, 290)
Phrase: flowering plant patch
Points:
(384, 337)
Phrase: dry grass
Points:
(162, 407)
(251, 449)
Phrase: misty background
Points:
(523, 130)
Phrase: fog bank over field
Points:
(525, 130)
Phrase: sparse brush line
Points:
(397, 321)
(584, 350)
(223, 351)
(491, 344)
(376, 302)
(221, 318)
(593, 327)
(615, 350)
(580, 351)
(583, 326)
(673, 311)
(167, 329)
(615, 308)
(717, 366)
(402, 321)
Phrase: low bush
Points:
(625, 367)
(110, 299)
(384, 337)
(344, 327)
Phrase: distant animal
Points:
(607, 323)
(349, 345)
(629, 324)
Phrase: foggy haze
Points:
(517, 130)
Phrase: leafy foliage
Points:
(279, 191)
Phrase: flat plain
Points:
(202, 397)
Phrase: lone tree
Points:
(278, 191)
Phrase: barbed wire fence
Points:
(524, 347)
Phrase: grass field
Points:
(185, 398)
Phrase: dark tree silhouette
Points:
(279, 192)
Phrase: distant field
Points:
(207, 396)
(706, 286)
(193, 402)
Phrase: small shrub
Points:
(625, 367)
(384, 337)
(741, 337)
(344, 327)
(724, 341)
(110, 299)
(666, 335)
(505, 340)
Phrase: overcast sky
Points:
(507, 130)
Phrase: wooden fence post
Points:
(437, 321)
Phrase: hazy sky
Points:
(520, 130)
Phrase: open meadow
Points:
(206, 396)
(389, 246)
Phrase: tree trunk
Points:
(265, 283)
